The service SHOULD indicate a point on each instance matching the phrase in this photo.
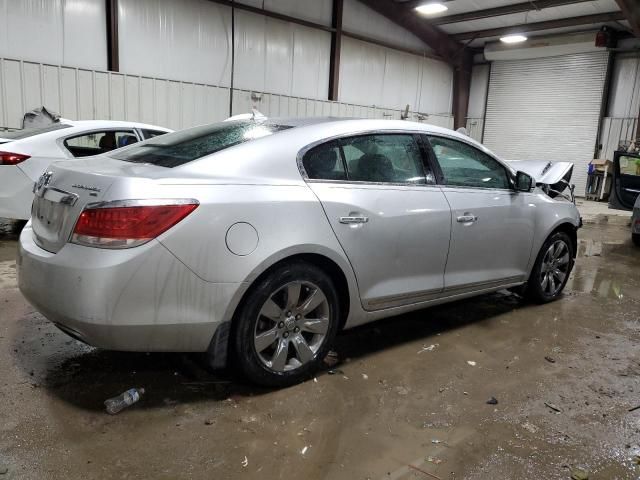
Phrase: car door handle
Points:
(351, 220)
(467, 218)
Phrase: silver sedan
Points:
(258, 240)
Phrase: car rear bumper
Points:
(16, 193)
(138, 299)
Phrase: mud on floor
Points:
(407, 401)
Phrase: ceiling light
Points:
(513, 39)
(432, 8)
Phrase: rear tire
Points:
(552, 269)
(286, 325)
(635, 237)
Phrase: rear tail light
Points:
(8, 158)
(126, 224)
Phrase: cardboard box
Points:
(601, 165)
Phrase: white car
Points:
(25, 154)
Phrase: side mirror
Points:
(524, 182)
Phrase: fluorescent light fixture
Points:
(513, 39)
(432, 8)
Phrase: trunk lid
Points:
(64, 190)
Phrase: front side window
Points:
(95, 143)
(178, 148)
(465, 166)
(385, 158)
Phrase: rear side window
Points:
(30, 132)
(175, 149)
(388, 158)
(147, 134)
(324, 163)
(98, 142)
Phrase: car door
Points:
(492, 225)
(391, 219)
(626, 180)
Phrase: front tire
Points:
(552, 269)
(286, 325)
(635, 237)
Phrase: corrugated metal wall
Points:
(620, 124)
(477, 101)
(175, 62)
(92, 94)
(371, 75)
(61, 32)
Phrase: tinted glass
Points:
(462, 165)
(30, 132)
(95, 143)
(324, 163)
(152, 133)
(178, 148)
(392, 158)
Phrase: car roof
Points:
(111, 124)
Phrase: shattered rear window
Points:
(175, 149)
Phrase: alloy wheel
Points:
(292, 326)
(554, 268)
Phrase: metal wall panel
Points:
(68, 32)
(478, 91)
(187, 40)
(624, 97)
(370, 74)
(280, 57)
(616, 131)
(90, 94)
(547, 109)
(318, 11)
(360, 19)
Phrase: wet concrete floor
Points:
(406, 403)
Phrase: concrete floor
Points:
(406, 403)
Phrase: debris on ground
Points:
(245, 462)
(530, 427)
(126, 399)
(434, 460)
(553, 407)
(471, 362)
(423, 471)
(550, 359)
(430, 348)
(636, 459)
(304, 450)
(402, 390)
(365, 376)
(634, 409)
(492, 401)
(331, 360)
(208, 421)
(579, 474)
(335, 372)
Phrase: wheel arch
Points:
(218, 351)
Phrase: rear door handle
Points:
(351, 220)
(467, 218)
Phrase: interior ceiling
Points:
(476, 32)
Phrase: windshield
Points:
(175, 149)
(30, 132)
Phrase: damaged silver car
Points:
(258, 240)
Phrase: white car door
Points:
(391, 219)
(492, 226)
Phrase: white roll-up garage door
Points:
(547, 109)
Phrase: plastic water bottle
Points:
(117, 404)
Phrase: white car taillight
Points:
(8, 158)
(126, 224)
